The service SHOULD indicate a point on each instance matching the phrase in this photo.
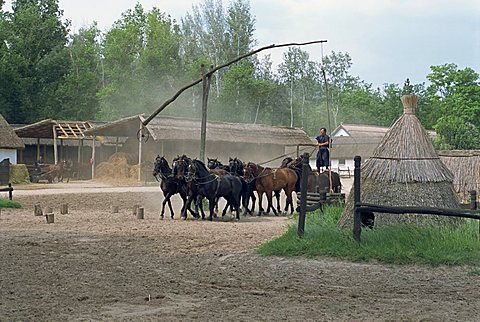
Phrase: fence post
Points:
(473, 200)
(10, 191)
(357, 220)
(303, 195)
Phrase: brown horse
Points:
(269, 180)
(316, 182)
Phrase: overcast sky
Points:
(388, 40)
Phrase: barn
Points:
(171, 136)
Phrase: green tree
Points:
(141, 63)
(33, 59)
(454, 96)
(77, 93)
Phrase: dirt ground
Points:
(92, 265)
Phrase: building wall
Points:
(9, 153)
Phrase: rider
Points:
(39, 164)
(323, 155)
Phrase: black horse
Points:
(169, 185)
(212, 187)
(237, 168)
(214, 164)
(180, 172)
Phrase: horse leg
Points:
(165, 200)
(171, 208)
(211, 203)
(260, 208)
(187, 206)
(277, 196)
(226, 207)
(270, 203)
(254, 199)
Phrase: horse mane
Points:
(200, 164)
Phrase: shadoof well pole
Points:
(205, 79)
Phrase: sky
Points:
(388, 40)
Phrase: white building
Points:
(9, 142)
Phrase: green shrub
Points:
(7, 203)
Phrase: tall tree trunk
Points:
(256, 114)
(291, 103)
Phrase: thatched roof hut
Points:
(8, 138)
(465, 166)
(405, 170)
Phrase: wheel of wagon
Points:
(34, 179)
(49, 178)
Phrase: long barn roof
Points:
(174, 128)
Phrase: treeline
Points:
(47, 71)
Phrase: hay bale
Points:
(105, 170)
(19, 174)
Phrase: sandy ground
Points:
(92, 265)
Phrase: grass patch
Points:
(7, 203)
(401, 244)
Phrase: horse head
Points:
(285, 162)
(161, 167)
(236, 166)
(180, 166)
(197, 170)
(250, 171)
(212, 163)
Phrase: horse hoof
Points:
(161, 217)
(183, 218)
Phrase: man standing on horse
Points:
(323, 155)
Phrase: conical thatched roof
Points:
(404, 170)
(8, 138)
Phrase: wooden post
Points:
(50, 218)
(55, 150)
(140, 143)
(474, 205)
(38, 149)
(203, 132)
(38, 210)
(140, 213)
(116, 144)
(114, 209)
(93, 157)
(64, 209)
(303, 195)
(357, 220)
(134, 209)
(10, 191)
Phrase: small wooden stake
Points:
(114, 209)
(64, 209)
(50, 218)
(140, 213)
(38, 210)
(134, 210)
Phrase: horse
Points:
(269, 180)
(214, 164)
(236, 167)
(169, 185)
(180, 172)
(316, 182)
(212, 187)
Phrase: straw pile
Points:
(405, 170)
(117, 167)
(19, 174)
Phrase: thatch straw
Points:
(465, 166)
(405, 170)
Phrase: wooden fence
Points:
(365, 209)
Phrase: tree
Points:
(77, 93)
(33, 59)
(454, 95)
(141, 62)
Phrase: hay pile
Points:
(405, 170)
(19, 174)
(119, 167)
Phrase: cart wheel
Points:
(50, 179)
(33, 179)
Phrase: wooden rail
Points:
(10, 191)
(365, 208)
